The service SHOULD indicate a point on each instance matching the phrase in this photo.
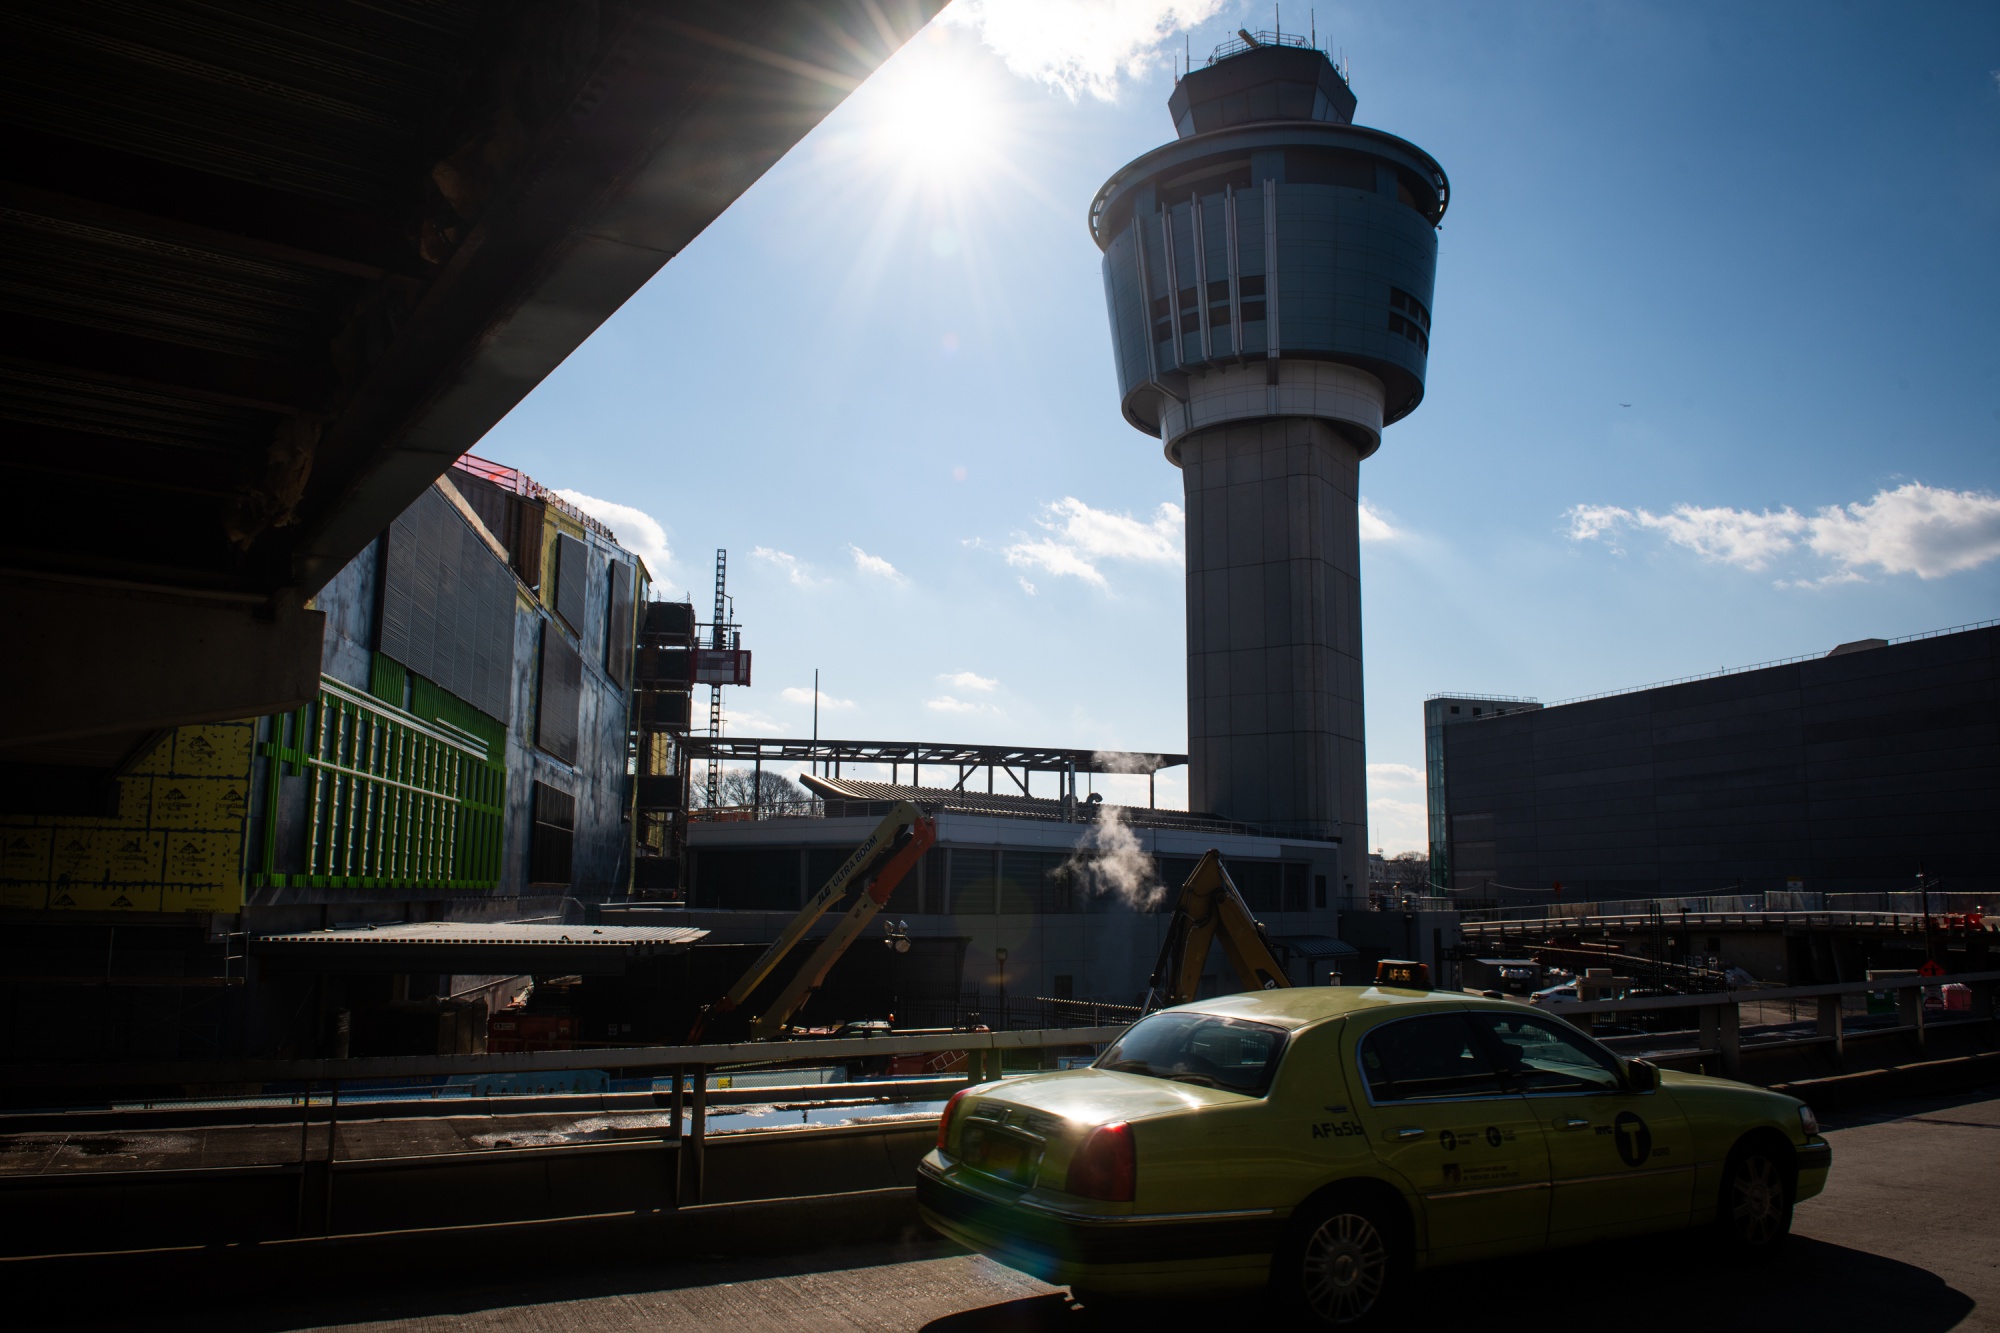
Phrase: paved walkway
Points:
(1907, 1238)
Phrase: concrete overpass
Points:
(270, 269)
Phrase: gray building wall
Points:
(347, 651)
(1275, 722)
(1106, 948)
(597, 779)
(1441, 711)
(601, 850)
(1843, 774)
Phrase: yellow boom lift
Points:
(1210, 909)
(878, 865)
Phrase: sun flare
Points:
(937, 117)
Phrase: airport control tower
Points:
(1269, 276)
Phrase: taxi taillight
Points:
(1105, 1166)
(944, 1121)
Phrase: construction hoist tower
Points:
(722, 634)
(1269, 277)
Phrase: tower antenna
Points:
(1312, 23)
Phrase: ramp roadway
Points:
(1907, 1237)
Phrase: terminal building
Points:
(1049, 897)
(1848, 772)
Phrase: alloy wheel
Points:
(1345, 1265)
(1757, 1203)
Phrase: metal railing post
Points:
(1729, 1027)
(1910, 1011)
(697, 1131)
(673, 1136)
(1830, 1025)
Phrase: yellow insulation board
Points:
(175, 845)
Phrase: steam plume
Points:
(1119, 761)
(1108, 860)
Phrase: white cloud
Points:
(1079, 46)
(638, 531)
(1374, 527)
(1080, 536)
(749, 722)
(792, 694)
(1026, 586)
(945, 703)
(1589, 522)
(1394, 775)
(795, 569)
(1398, 826)
(1914, 529)
(876, 565)
(971, 680)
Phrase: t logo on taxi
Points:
(1635, 1141)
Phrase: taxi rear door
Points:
(1438, 1114)
(1620, 1162)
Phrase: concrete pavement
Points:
(1907, 1237)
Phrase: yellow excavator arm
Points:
(878, 864)
(1210, 909)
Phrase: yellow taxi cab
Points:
(1332, 1141)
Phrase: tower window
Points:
(1252, 285)
(1402, 300)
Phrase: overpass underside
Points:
(270, 269)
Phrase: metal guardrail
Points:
(812, 1051)
(1708, 999)
(1940, 903)
(1719, 1013)
(687, 1101)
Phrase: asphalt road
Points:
(1906, 1238)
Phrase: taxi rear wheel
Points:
(1754, 1214)
(1339, 1264)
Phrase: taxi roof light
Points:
(1403, 974)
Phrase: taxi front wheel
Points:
(1339, 1265)
(1754, 1215)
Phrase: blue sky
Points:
(1715, 377)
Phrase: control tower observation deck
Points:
(1269, 279)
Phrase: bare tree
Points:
(765, 789)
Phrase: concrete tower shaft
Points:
(1269, 280)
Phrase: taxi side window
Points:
(1438, 1055)
(1539, 1055)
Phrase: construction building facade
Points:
(464, 758)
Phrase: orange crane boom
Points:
(879, 864)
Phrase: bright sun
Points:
(937, 116)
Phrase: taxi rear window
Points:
(1204, 1049)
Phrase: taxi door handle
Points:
(1406, 1133)
(1572, 1123)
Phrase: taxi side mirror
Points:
(1641, 1076)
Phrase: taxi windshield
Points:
(1204, 1049)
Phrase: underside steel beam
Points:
(967, 759)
